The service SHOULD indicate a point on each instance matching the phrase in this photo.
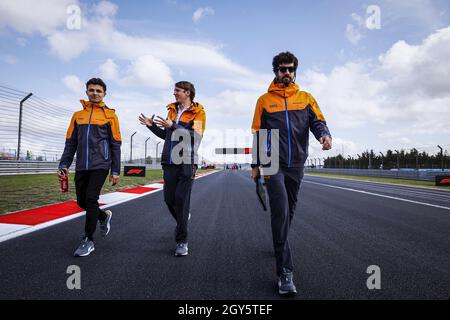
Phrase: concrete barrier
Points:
(10, 167)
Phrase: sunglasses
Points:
(284, 69)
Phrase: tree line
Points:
(391, 159)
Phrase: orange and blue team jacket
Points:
(94, 134)
(192, 119)
(294, 113)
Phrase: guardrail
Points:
(9, 167)
(423, 174)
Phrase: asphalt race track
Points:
(341, 227)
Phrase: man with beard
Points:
(293, 113)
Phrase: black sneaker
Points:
(285, 284)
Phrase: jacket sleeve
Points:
(160, 133)
(71, 145)
(115, 144)
(256, 126)
(198, 128)
(317, 123)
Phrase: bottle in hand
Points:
(64, 182)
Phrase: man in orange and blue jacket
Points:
(182, 131)
(94, 135)
(293, 113)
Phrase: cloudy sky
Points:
(379, 86)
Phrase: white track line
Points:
(380, 195)
(7, 228)
(378, 182)
(113, 197)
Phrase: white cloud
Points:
(253, 82)
(173, 52)
(353, 34)
(98, 33)
(423, 68)
(31, 16)
(404, 96)
(150, 72)
(74, 84)
(68, 44)
(234, 102)
(354, 31)
(358, 19)
(105, 9)
(109, 70)
(201, 13)
(341, 146)
(349, 94)
(149, 60)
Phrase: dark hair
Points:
(284, 58)
(186, 85)
(97, 81)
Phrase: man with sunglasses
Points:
(188, 117)
(293, 113)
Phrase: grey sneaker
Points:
(285, 283)
(181, 250)
(105, 225)
(85, 248)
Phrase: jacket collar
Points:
(88, 104)
(282, 90)
(195, 107)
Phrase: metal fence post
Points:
(145, 155)
(131, 147)
(442, 157)
(20, 124)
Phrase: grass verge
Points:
(21, 192)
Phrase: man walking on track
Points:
(94, 136)
(185, 118)
(293, 113)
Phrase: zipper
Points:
(289, 133)
(171, 145)
(87, 139)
